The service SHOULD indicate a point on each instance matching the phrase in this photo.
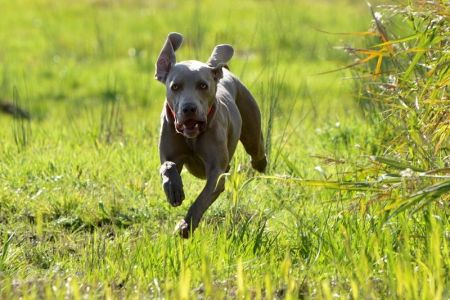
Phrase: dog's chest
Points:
(192, 144)
(195, 166)
(193, 160)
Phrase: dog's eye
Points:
(202, 86)
(174, 87)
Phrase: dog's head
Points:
(190, 85)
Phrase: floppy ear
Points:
(167, 57)
(221, 55)
(219, 58)
(217, 72)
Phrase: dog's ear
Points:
(217, 72)
(166, 57)
(219, 58)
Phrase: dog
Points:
(206, 112)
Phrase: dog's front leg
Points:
(215, 185)
(172, 184)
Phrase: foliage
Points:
(403, 83)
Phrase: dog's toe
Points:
(174, 193)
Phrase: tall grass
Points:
(21, 125)
(402, 77)
(111, 123)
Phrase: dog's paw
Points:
(260, 165)
(174, 192)
(183, 229)
(172, 184)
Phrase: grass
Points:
(82, 211)
(407, 90)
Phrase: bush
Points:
(402, 79)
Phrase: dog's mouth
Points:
(190, 128)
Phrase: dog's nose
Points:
(189, 108)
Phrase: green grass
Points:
(82, 211)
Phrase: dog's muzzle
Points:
(191, 127)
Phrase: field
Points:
(82, 210)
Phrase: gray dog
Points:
(207, 111)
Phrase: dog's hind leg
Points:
(251, 133)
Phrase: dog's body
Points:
(207, 111)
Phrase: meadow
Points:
(82, 210)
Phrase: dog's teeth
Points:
(196, 125)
